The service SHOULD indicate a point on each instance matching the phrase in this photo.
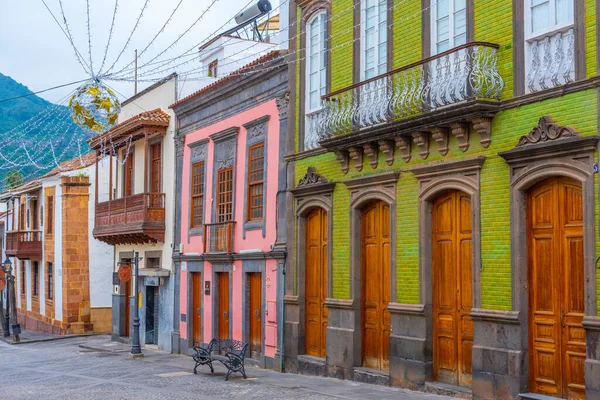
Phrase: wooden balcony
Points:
(135, 219)
(218, 237)
(25, 245)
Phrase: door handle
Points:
(226, 315)
(257, 313)
(562, 317)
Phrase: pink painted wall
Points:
(193, 245)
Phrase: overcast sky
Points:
(35, 52)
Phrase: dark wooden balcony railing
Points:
(24, 244)
(465, 73)
(134, 219)
(218, 237)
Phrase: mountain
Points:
(53, 134)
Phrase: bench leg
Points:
(228, 373)
(244, 372)
(195, 369)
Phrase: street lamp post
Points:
(7, 268)
(136, 350)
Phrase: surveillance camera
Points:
(261, 7)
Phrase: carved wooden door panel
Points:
(223, 316)
(255, 329)
(196, 307)
(155, 170)
(375, 284)
(452, 288)
(128, 182)
(556, 288)
(316, 283)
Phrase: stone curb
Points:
(11, 342)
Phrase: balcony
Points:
(135, 219)
(25, 245)
(458, 86)
(218, 237)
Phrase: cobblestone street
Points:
(72, 369)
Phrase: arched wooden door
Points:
(316, 282)
(375, 284)
(557, 348)
(452, 288)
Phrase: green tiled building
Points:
(445, 197)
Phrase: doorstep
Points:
(446, 389)
(535, 396)
(311, 365)
(372, 376)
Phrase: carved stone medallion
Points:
(547, 131)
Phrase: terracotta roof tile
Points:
(156, 117)
(73, 164)
(245, 68)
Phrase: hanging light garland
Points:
(94, 107)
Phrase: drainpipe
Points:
(282, 313)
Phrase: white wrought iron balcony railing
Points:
(463, 74)
(550, 60)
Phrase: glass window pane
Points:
(442, 8)
(459, 5)
(460, 23)
(443, 46)
(564, 11)
(370, 39)
(442, 29)
(460, 39)
(540, 17)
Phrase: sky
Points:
(35, 52)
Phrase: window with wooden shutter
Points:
(50, 280)
(197, 195)
(36, 278)
(35, 216)
(128, 189)
(225, 195)
(155, 170)
(23, 275)
(256, 172)
(50, 214)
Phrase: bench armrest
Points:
(235, 357)
(202, 351)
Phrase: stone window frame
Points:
(308, 10)
(254, 266)
(308, 198)
(153, 254)
(426, 26)
(261, 136)
(224, 140)
(357, 48)
(198, 153)
(518, 7)
(529, 165)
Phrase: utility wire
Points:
(110, 33)
(68, 35)
(130, 36)
(87, 2)
(42, 91)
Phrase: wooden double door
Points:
(452, 288)
(316, 282)
(375, 284)
(196, 313)
(223, 305)
(557, 347)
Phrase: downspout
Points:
(281, 288)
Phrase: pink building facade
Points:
(231, 176)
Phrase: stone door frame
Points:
(530, 164)
(308, 197)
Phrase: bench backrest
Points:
(228, 345)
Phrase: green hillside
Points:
(55, 132)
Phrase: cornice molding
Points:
(225, 134)
(445, 168)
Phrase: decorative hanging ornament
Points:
(94, 107)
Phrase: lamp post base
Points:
(138, 355)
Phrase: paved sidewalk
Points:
(27, 336)
(93, 368)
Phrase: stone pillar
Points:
(75, 255)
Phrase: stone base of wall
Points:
(101, 318)
(40, 324)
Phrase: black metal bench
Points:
(233, 360)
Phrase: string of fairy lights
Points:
(55, 134)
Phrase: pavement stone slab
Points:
(94, 368)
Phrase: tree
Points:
(13, 178)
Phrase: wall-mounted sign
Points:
(268, 282)
(139, 299)
(207, 287)
(125, 272)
